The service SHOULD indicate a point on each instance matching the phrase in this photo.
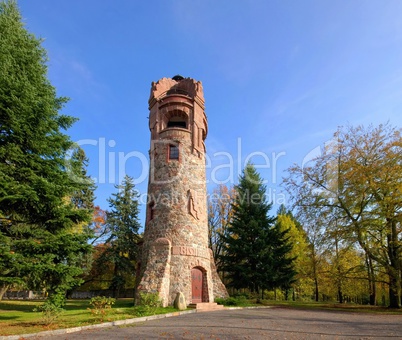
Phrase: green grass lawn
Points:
(17, 316)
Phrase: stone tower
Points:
(175, 253)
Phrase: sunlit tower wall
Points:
(175, 253)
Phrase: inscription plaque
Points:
(190, 251)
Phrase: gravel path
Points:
(263, 323)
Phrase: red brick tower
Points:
(175, 253)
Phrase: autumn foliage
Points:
(351, 194)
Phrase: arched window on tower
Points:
(176, 121)
(175, 118)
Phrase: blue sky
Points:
(279, 77)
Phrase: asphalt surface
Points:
(266, 323)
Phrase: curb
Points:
(251, 307)
(113, 323)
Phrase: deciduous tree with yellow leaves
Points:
(358, 179)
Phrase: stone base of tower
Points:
(219, 288)
(156, 277)
(187, 269)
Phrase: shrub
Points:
(50, 312)
(232, 301)
(148, 304)
(101, 306)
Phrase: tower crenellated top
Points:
(177, 85)
(178, 103)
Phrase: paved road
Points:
(267, 323)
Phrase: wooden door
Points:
(196, 284)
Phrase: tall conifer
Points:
(122, 241)
(40, 244)
(255, 248)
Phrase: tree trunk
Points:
(394, 268)
(339, 271)
(371, 280)
(314, 263)
(115, 282)
(394, 292)
(3, 290)
(316, 289)
(340, 294)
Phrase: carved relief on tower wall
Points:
(192, 204)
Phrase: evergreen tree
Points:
(83, 191)
(255, 249)
(279, 260)
(39, 241)
(122, 243)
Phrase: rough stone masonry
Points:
(175, 254)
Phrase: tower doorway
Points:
(196, 285)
